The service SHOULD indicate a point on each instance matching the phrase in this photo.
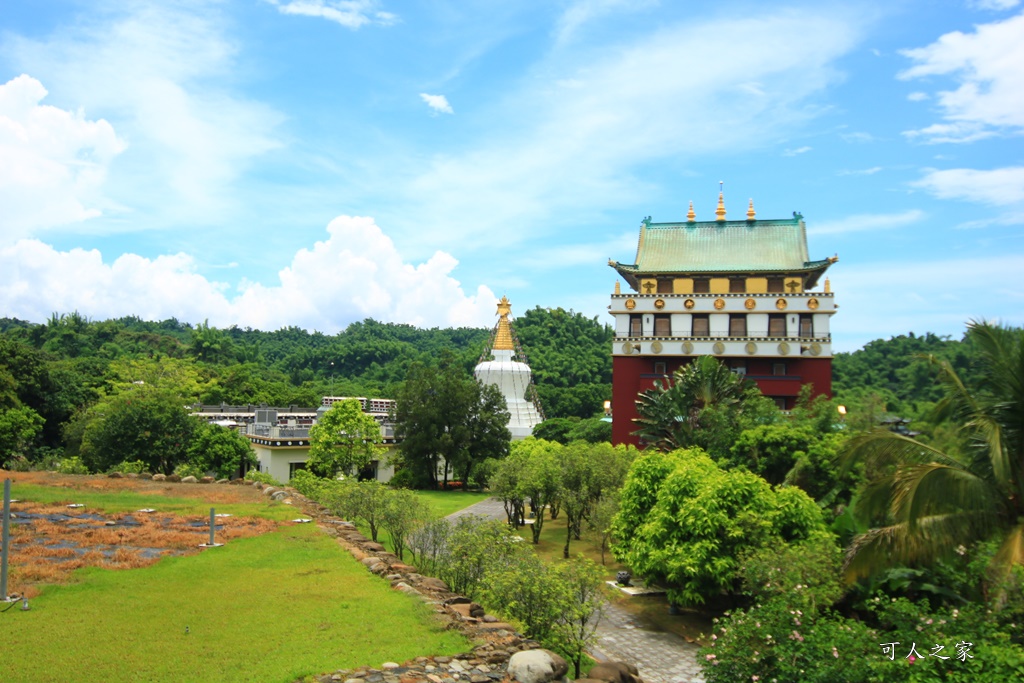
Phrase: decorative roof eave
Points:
(631, 273)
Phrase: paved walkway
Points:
(660, 657)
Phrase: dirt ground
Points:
(50, 541)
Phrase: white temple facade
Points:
(512, 377)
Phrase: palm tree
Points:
(928, 502)
(669, 416)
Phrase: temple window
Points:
(701, 325)
(738, 365)
(776, 285)
(778, 369)
(738, 325)
(806, 325)
(636, 326)
(737, 285)
(662, 326)
(776, 325)
(660, 368)
(664, 285)
(701, 285)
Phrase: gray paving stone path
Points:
(661, 657)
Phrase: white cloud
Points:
(880, 300)
(998, 187)
(857, 137)
(917, 96)
(986, 64)
(351, 14)
(867, 221)
(798, 150)
(439, 103)
(165, 78)
(54, 161)
(866, 171)
(564, 149)
(582, 12)
(354, 274)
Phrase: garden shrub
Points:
(261, 478)
(188, 469)
(130, 467)
(72, 466)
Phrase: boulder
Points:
(145, 475)
(537, 666)
(430, 583)
(132, 475)
(614, 672)
(279, 495)
(116, 475)
(189, 480)
(207, 480)
(159, 477)
(375, 547)
(224, 481)
(173, 477)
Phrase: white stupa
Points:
(511, 377)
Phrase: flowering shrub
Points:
(452, 485)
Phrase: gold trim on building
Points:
(630, 304)
(781, 304)
(751, 304)
(719, 304)
(659, 304)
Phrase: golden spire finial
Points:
(503, 338)
(618, 290)
(750, 211)
(828, 286)
(720, 211)
(690, 215)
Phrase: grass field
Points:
(274, 607)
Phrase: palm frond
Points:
(894, 544)
(880, 449)
(920, 491)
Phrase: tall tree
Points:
(344, 440)
(449, 421)
(924, 502)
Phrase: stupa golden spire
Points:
(503, 338)
(691, 216)
(750, 211)
(720, 211)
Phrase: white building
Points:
(513, 378)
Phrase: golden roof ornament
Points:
(690, 215)
(618, 290)
(720, 211)
(503, 338)
(828, 286)
(750, 211)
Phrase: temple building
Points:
(743, 291)
(512, 377)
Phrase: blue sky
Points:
(309, 162)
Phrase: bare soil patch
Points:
(50, 541)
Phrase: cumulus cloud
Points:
(351, 14)
(867, 221)
(168, 78)
(986, 64)
(998, 187)
(54, 161)
(439, 103)
(355, 273)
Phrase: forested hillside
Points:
(52, 372)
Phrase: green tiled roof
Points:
(717, 246)
(721, 247)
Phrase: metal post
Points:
(212, 522)
(6, 540)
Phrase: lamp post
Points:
(332, 378)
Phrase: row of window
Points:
(737, 325)
(737, 285)
(737, 365)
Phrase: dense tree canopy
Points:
(344, 439)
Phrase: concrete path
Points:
(660, 657)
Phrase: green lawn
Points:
(444, 503)
(271, 608)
